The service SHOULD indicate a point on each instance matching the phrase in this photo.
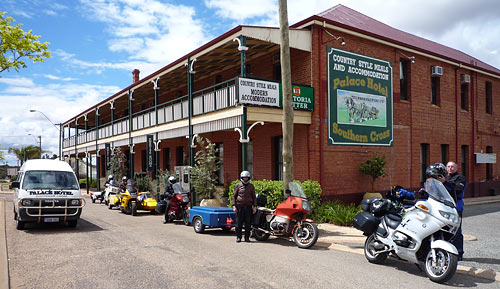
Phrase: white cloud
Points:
(149, 31)
(57, 101)
(53, 77)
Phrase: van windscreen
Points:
(55, 180)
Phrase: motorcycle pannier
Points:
(366, 222)
(161, 206)
(261, 200)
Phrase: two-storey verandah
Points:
(197, 95)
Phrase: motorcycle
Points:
(94, 196)
(179, 205)
(112, 188)
(131, 201)
(287, 220)
(422, 236)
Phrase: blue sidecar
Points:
(212, 217)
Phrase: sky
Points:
(95, 45)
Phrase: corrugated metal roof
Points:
(350, 18)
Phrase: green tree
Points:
(16, 44)
(1, 155)
(26, 153)
(117, 164)
(203, 175)
(374, 168)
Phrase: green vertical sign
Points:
(359, 99)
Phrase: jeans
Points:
(243, 215)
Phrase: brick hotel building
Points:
(360, 87)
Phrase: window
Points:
(489, 167)
(464, 154)
(445, 152)
(50, 180)
(404, 65)
(464, 96)
(278, 158)
(166, 159)
(424, 160)
(250, 157)
(181, 156)
(220, 154)
(435, 87)
(488, 98)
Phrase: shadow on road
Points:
(458, 280)
(483, 260)
(481, 209)
(57, 228)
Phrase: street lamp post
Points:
(58, 128)
(39, 143)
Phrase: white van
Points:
(47, 191)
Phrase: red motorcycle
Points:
(179, 205)
(287, 220)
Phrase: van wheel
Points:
(72, 223)
(19, 224)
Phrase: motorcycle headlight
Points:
(306, 206)
(27, 202)
(450, 216)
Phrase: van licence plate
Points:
(51, 220)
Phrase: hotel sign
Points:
(359, 99)
(258, 92)
(268, 93)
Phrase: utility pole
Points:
(286, 86)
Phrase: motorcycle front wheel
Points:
(371, 252)
(134, 209)
(185, 217)
(444, 268)
(306, 236)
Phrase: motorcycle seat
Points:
(392, 221)
(266, 210)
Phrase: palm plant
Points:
(26, 152)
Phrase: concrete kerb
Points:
(4, 263)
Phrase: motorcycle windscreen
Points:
(438, 192)
(296, 190)
(177, 188)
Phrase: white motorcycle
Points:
(422, 236)
(111, 189)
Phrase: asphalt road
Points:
(483, 222)
(112, 250)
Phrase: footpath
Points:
(331, 236)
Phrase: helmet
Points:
(124, 179)
(435, 170)
(110, 177)
(172, 180)
(245, 177)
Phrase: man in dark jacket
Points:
(456, 184)
(244, 205)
